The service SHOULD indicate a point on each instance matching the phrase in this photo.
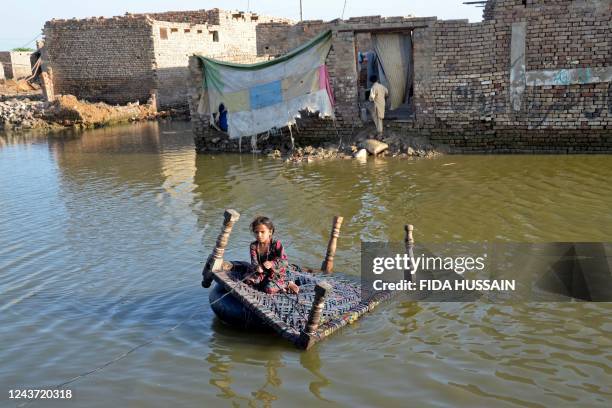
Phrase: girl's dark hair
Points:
(260, 220)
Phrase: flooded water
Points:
(103, 238)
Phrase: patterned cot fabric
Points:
(271, 280)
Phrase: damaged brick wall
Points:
(124, 59)
(223, 35)
(101, 59)
(190, 16)
(471, 92)
(278, 38)
(533, 76)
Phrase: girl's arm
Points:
(254, 257)
(253, 251)
(280, 259)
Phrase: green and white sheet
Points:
(270, 94)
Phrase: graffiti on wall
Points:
(573, 76)
(591, 105)
(473, 98)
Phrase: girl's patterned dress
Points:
(271, 280)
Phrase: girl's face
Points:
(262, 233)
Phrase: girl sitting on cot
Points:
(268, 259)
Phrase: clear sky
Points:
(22, 21)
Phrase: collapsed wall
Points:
(533, 76)
(100, 59)
(134, 57)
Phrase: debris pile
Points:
(361, 146)
(20, 113)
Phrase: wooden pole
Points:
(328, 263)
(409, 242)
(322, 289)
(215, 260)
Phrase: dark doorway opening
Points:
(389, 56)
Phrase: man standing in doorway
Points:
(378, 93)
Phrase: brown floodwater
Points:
(103, 236)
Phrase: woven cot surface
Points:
(288, 313)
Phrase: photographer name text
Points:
(458, 265)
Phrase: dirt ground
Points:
(67, 109)
(12, 87)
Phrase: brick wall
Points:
(459, 71)
(278, 38)
(462, 79)
(193, 16)
(173, 44)
(465, 101)
(223, 35)
(128, 58)
(101, 59)
(16, 64)
(555, 96)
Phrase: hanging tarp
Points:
(394, 55)
(270, 94)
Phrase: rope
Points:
(30, 42)
(343, 8)
(130, 351)
(176, 326)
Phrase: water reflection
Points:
(311, 361)
(102, 236)
(227, 363)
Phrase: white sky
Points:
(21, 21)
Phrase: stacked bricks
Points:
(462, 88)
(132, 57)
(464, 101)
(278, 38)
(223, 35)
(194, 16)
(101, 59)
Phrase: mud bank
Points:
(20, 113)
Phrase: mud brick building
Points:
(16, 64)
(137, 56)
(533, 76)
